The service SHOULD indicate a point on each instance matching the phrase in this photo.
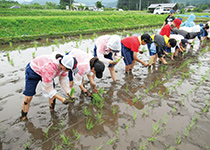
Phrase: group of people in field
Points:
(108, 51)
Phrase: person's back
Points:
(83, 60)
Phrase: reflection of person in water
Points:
(128, 90)
(45, 68)
(39, 135)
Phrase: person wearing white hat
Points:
(45, 68)
(87, 65)
(107, 48)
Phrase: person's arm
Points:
(139, 60)
(50, 92)
(65, 84)
(91, 79)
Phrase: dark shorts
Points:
(152, 49)
(127, 54)
(109, 56)
(167, 49)
(31, 81)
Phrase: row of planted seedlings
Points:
(56, 41)
(156, 127)
(99, 102)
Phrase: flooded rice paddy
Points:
(157, 108)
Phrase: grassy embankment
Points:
(26, 25)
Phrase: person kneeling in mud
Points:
(45, 68)
(87, 65)
(130, 49)
(157, 48)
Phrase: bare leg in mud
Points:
(25, 106)
(113, 74)
(52, 102)
(129, 68)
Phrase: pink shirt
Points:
(102, 49)
(47, 66)
(83, 60)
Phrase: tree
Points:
(64, 3)
(99, 4)
(204, 7)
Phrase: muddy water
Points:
(157, 108)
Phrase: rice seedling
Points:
(53, 48)
(10, 44)
(87, 50)
(95, 35)
(26, 145)
(156, 128)
(89, 124)
(64, 37)
(171, 148)
(66, 140)
(114, 110)
(46, 133)
(153, 101)
(178, 140)
(207, 147)
(151, 86)
(57, 43)
(8, 57)
(186, 131)
(146, 91)
(117, 133)
(72, 92)
(110, 141)
(19, 49)
(126, 90)
(35, 45)
(100, 146)
(174, 109)
(76, 134)
(77, 45)
(135, 99)
(62, 124)
(11, 62)
(152, 139)
(47, 40)
(87, 112)
(143, 145)
(134, 115)
(164, 119)
(80, 38)
(205, 109)
(58, 147)
(99, 117)
(33, 55)
(144, 112)
(127, 125)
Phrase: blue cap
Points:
(172, 11)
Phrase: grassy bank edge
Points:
(28, 38)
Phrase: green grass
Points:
(26, 26)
